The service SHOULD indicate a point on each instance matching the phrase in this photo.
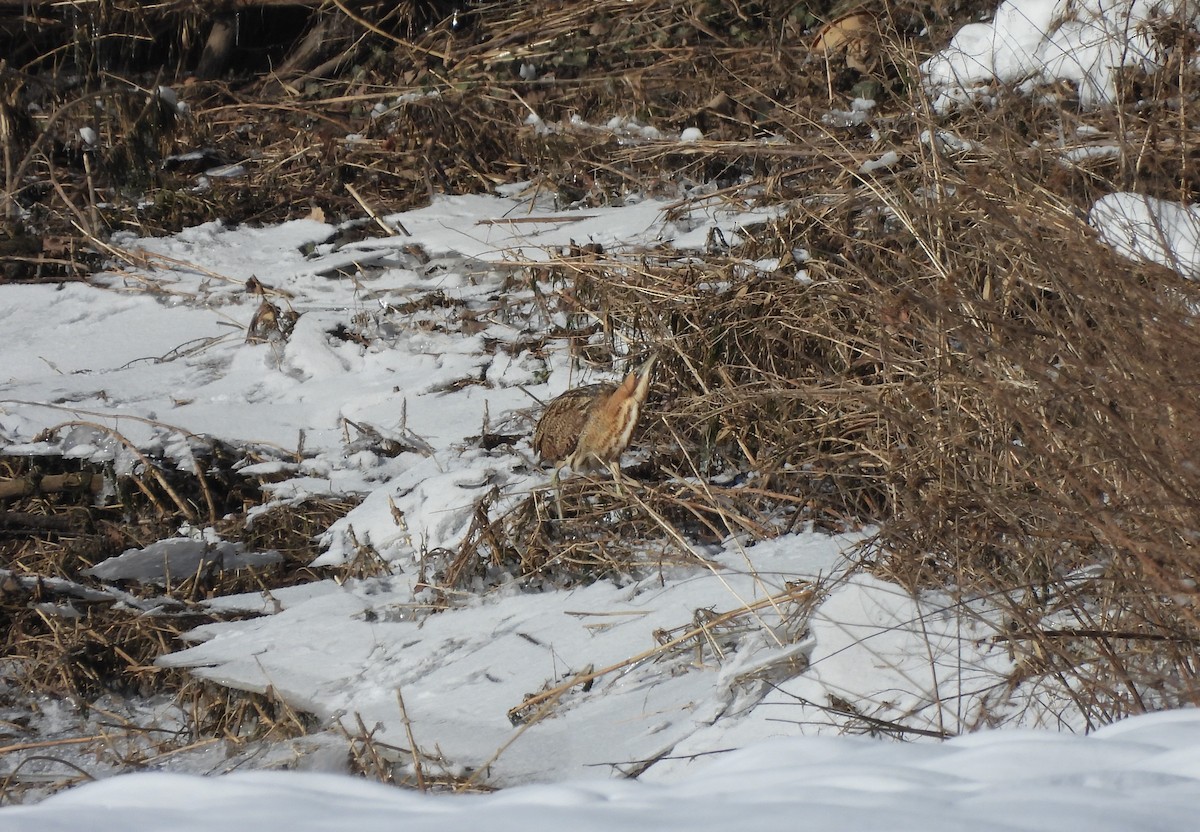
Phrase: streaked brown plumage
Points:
(593, 424)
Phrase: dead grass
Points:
(70, 638)
(433, 107)
(962, 362)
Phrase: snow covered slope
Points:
(1141, 774)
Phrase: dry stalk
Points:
(802, 594)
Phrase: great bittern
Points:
(592, 424)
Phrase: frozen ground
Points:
(685, 674)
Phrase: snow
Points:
(1143, 773)
(348, 651)
(1152, 230)
(727, 679)
(177, 559)
(1033, 43)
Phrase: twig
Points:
(391, 232)
(366, 24)
(412, 742)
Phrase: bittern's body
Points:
(593, 424)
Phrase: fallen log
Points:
(50, 484)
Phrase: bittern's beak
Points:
(649, 365)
